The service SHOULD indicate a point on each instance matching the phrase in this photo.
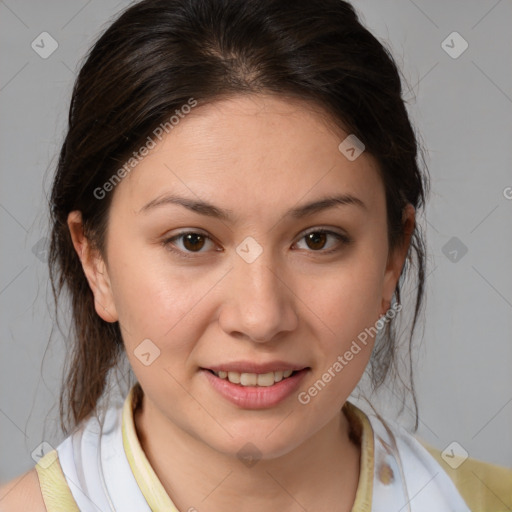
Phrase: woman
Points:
(234, 210)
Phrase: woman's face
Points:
(258, 290)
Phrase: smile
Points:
(254, 379)
(255, 390)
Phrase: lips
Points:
(249, 396)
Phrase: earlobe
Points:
(94, 269)
(397, 258)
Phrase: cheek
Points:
(150, 296)
(349, 307)
(166, 303)
(349, 298)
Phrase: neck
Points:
(320, 474)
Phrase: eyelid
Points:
(323, 229)
(167, 242)
(342, 238)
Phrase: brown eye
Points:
(193, 241)
(188, 242)
(316, 240)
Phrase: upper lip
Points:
(252, 367)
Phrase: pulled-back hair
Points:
(157, 55)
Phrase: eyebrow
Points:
(205, 208)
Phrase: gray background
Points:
(462, 108)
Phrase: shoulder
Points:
(484, 486)
(22, 493)
(456, 478)
(41, 489)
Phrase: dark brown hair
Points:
(160, 53)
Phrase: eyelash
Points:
(168, 242)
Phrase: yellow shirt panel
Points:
(485, 487)
(54, 487)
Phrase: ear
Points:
(95, 269)
(396, 258)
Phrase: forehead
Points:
(249, 152)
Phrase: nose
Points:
(260, 304)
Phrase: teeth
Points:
(234, 377)
(254, 379)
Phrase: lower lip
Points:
(256, 397)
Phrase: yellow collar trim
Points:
(149, 483)
(363, 501)
(158, 499)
